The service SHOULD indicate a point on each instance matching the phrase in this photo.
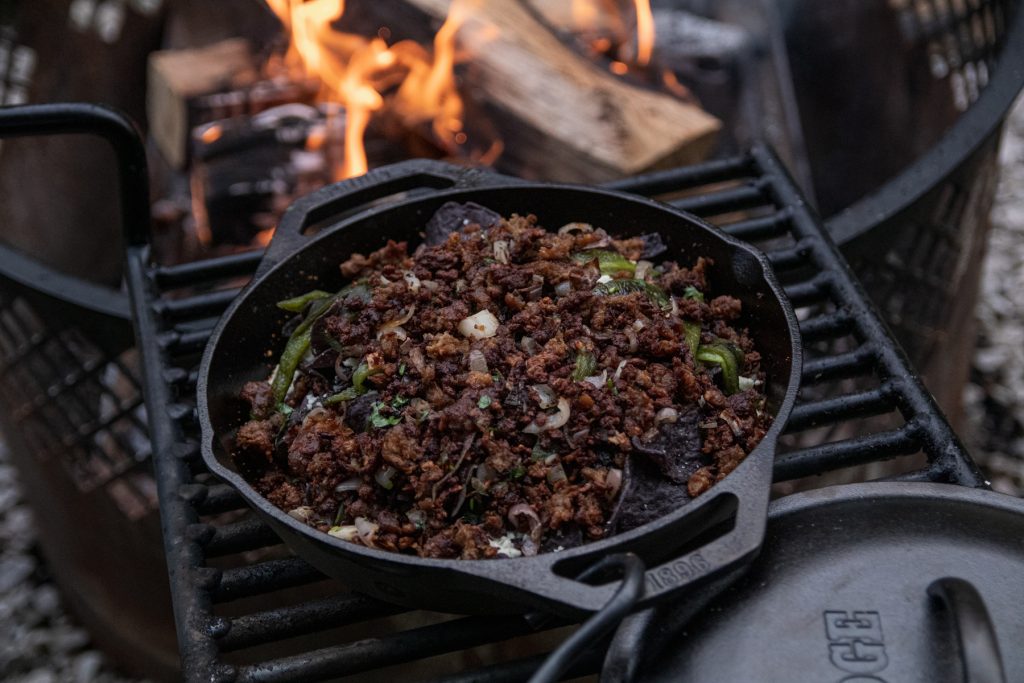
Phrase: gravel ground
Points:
(994, 400)
(39, 643)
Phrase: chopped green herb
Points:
(285, 409)
(610, 262)
(610, 384)
(346, 395)
(359, 376)
(398, 402)
(653, 292)
(693, 293)
(298, 304)
(517, 472)
(484, 402)
(379, 421)
(497, 377)
(401, 369)
(586, 365)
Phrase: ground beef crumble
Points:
(480, 397)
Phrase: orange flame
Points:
(644, 32)
(361, 74)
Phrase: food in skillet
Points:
(503, 391)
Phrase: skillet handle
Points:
(357, 194)
(975, 633)
(673, 576)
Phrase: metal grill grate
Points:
(236, 589)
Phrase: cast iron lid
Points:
(867, 583)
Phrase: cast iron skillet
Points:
(715, 533)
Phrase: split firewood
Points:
(176, 81)
(562, 116)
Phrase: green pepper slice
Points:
(298, 304)
(653, 292)
(609, 262)
(724, 357)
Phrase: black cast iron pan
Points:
(713, 534)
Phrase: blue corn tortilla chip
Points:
(453, 216)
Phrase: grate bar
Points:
(406, 646)
(728, 200)
(247, 534)
(808, 291)
(308, 617)
(829, 325)
(671, 180)
(201, 272)
(198, 306)
(264, 577)
(763, 228)
(837, 455)
(840, 366)
(219, 498)
(826, 411)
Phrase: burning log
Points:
(563, 117)
(178, 78)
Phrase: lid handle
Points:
(976, 635)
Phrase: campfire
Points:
(568, 90)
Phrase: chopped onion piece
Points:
(303, 513)
(505, 546)
(411, 280)
(501, 251)
(384, 476)
(393, 325)
(598, 380)
(345, 533)
(554, 421)
(634, 343)
(638, 324)
(545, 395)
(479, 325)
(603, 279)
(477, 361)
(417, 517)
(430, 284)
(532, 519)
(563, 288)
(314, 413)
(366, 530)
(618, 370)
(529, 345)
(733, 423)
(556, 473)
(575, 227)
(666, 415)
(747, 383)
(351, 484)
(641, 269)
(613, 481)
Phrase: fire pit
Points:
(238, 595)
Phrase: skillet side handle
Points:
(362, 192)
(673, 576)
(975, 633)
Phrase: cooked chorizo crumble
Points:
(503, 391)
